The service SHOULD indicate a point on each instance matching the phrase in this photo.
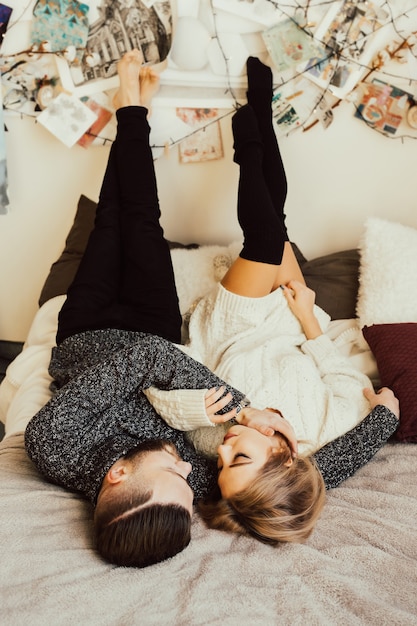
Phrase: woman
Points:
(99, 435)
(260, 331)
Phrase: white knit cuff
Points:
(183, 409)
(319, 348)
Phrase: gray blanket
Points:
(358, 567)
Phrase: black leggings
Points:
(125, 279)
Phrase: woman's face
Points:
(243, 453)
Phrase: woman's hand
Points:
(301, 301)
(214, 402)
(268, 422)
(385, 397)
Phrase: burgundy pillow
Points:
(395, 349)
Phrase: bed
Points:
(360, 564)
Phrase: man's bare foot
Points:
(149, 85)
(129, 68)
(138, 84)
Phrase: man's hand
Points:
(268, 422)
(385, 397)
(214, 402)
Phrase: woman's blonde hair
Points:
(283, 503)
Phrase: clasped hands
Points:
(266, 421)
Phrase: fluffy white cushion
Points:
(26, 387)
(388, 273)
(197, 271)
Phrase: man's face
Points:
(153, 467)
(166, 473)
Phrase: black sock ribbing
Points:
(245, 132)
(260, 92)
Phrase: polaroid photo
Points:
(204, 140)
(67, 118)
(350, 35)
(205, 144)
(298, 104)
(289, 45)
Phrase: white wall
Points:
(336, 179)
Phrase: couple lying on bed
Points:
(117, 370)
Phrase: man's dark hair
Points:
(132, 533)
(147, 536)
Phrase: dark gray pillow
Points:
(63, 271)
(333, 277)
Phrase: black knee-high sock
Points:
(246, 133)
(264, 235)
(259, 95)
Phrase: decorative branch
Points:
(403, 45)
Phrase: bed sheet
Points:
(358, 567)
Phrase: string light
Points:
(301, 16)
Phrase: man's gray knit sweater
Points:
(99, 413)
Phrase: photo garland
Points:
(317, 62)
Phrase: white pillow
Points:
(26, 387)
(388, 273)
(197, 271)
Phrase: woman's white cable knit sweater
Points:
(257, 345)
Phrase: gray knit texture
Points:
(99, 413)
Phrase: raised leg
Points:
(267, 259)
(260, 90)
(148, 296)
(95, 286)
(125, 279)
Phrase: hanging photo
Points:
(297, 104)
(350, 34)
(92, 135)
(204, 142)
(121, 25)
(29, 82)
(61, 24)
(67, 118)
(288, 44)
(383, 106)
